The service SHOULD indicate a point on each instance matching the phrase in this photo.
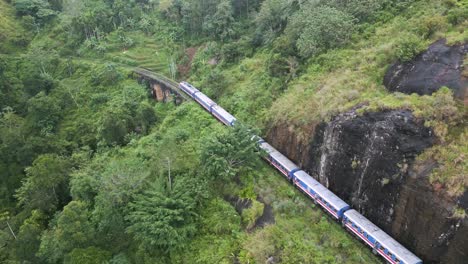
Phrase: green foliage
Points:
(432, 25)
(46, 185)
(107, 75)
(220, 218)
(14, 153)
(29, 237)
(12, 34)
(39, 9)
(360, 9)
(408, 47)
(459, 213)
(85, 130)
(251, 214)
(220, 24)
(320, 28)
(458, 13)
(72, 230)
(229, 154)
(91, 255)
(452, 170)
(163, 218)
(272, 19)
(44, 113)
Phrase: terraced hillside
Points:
(145, 53)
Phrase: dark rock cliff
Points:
(368, 160)
(440, 65)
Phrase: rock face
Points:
(365, 158)
(440, 65)
(368, 161)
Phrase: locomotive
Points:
(354, 222)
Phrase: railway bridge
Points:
(162, 88)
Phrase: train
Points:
(351, 220)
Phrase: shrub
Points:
(459, 212)
(458, 14)
(250, 215)
(452, 170)
(431, 25)
(408, 47)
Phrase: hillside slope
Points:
(396, 157)
(11, 31)
(93, 170)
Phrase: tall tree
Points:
(163, 216)
(220, 24)
(71, 230)
(228, 154)
(272, 18)
(318, 28)
(29, 237)
(46, 185)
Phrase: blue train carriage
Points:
(306, 183)
(223, 115)
(378, 240)
(330, 202)
(279, 161)
(188, 88)
(204, 101)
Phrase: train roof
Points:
(306, 178)
(189, 87)
(267, 147)
(225, 114)
(280, 158)
(284, 161)
(205, 99)
(396, 248)
(361, 221)
(330, 197)
(383, 238)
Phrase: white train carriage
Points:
(330, 202)
(188, 88)
(279, 161)
(378, 240)
(204, 101)
(223, 115)
(306, 183)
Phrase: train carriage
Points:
(360, 226)
(377, 239)
(330, 202)
(188, 88)
(223, 115)
(393, 251)
(306, 183)
(204, 100)
(279, 161)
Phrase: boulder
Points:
(438, 66)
